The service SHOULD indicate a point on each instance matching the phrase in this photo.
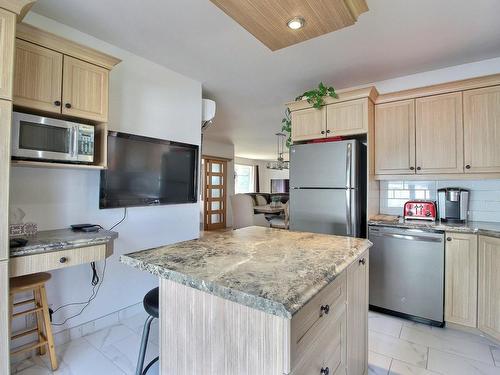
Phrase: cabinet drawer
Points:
(28, 264)
(311, 322)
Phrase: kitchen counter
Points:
(61, 239)
(476, 227)
(272, 270)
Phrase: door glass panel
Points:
(33, 136)
(216, 168)
(216, 180)
(216, 193)
(215, 218)
(216, 206)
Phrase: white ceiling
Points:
(250, 83)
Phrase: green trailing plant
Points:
(316, 98)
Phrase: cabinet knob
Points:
(325, 371)
(328, 131)
(57, 103)
(63, 260)
(412, 168)
(324, 309)
(467, 166)
(448, 238)
(68, 105)
(322, 132)
(418, 168)
(362, 261)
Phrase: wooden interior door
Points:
(85, 90)
(215, 176)
(38, 77)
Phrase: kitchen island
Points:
(261, 301)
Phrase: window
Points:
(244, 180)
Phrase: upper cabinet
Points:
(309, 123)
(38, 77)
(55, 75)
(347, 118)
(85, 90)
(7, 31)
(395, 138)
(439, 134)
(482, 130)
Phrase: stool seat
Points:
(151, 302)
(28, 282)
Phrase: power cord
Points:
(96, 284)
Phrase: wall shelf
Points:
(40, 164)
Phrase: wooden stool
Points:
(36, 284)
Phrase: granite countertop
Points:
(273, 270)
(61, 239)
(478, 227)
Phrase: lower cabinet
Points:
(4, 318)
(357, 316)
(489, 286)
(461, 279)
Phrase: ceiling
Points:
(251, 84)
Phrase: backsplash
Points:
(484, 202)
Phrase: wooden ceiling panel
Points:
(267, 19)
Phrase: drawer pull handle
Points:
(325, 371)
(63, 260)
(362, 261)
(324, 309)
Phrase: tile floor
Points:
(397, 347)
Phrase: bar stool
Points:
(34, 283)
(151, 305)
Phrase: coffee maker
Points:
(453, 204)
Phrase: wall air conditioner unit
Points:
(208, 113)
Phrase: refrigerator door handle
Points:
(348, 165)
(348, 211)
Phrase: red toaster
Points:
(420, 210)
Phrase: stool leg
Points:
(39, 320)
(144, 343)
(48, 329)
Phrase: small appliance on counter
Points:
(453, 204)
(49, 139)
(420, 210)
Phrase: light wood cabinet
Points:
(38, 77)
(439, 134)
(7, 34)
(461, 259)
(395, 138)
(357, 316)
(347, 118)
(489, 286)
(4, 317)
(5, 125)
(85, 90)
(482, 130)
(308, 124)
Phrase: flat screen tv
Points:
(280, 185)
(146, 171)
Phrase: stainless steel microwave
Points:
(45, 138)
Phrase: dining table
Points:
(268, 209)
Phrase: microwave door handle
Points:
(74, 142)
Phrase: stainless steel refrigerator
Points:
(328, 188)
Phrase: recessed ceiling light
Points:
(296, 23)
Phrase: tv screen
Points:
(147, 171)
(279, 185)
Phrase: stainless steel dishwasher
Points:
(407, 273)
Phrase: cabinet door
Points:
(395, 138)
(347, 118)
(37, 77)
(7, 35)
(489, 286)
(308, 124)
(357, 316)
(85, 90)
(482, 130)
(460, 303)
(4, 317)
(439, 134)
(5, 125)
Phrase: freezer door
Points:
(329, 211)
(324, 165)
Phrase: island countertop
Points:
(272, 270)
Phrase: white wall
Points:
(226, 151)
(145, 99)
